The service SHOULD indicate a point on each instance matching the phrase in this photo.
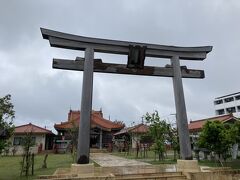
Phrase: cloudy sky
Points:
(43, 95)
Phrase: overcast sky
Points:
(43, 95)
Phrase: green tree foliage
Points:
(28, 142)
(235, 132)
(216, 138)
(158, 130)
(28, 158)
(6, 121)
(73, 134)
(173, 139)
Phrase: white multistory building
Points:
(228, 104)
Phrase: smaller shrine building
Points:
(132, 134)
(42, 138)
(101, 133)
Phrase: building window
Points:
(34, 140)
(17, 141)
(220, 112)
(218, 102)
(238, 108)
(237, 97)
(229, 99)
(231, 110)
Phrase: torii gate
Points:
(136, 55)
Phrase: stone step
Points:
(156, 176)
(57, 176)
(123, 178)
(144, 176)
(76, 177)
(150, 174)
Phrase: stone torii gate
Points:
(136, 55)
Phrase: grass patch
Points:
(165, 161)
(209, 163)
(10, 166)
(234, 164)
(150, 157)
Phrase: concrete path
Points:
(107, 160)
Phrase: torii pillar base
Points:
(187, 167)
(82, 168)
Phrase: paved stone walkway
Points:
(107, 160)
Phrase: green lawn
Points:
(148, 155)
(150, 158)
(235, 164)
(10, 166)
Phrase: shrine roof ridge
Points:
(70, 41)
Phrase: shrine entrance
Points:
(95, 138)
(94, 141)
(136, 53)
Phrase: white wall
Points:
(135, 139)
(40, 138)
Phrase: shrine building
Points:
(102, 130)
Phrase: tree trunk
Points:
(45, 161)
(32, 163)
(234, 151)
(174, 156)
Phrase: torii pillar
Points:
(181, 113)
(86, 108)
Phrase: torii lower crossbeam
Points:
(99, 66)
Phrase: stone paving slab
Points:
(107, 160)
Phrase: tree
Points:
(235, 136)
(28, 158)
(6, 121)
(158, 130)
(173, 139)
(216, 138)
(73, 134)
(235, 132)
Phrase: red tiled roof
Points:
(97, 120)
(27, 128)
(197, 125)
(140, 128)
